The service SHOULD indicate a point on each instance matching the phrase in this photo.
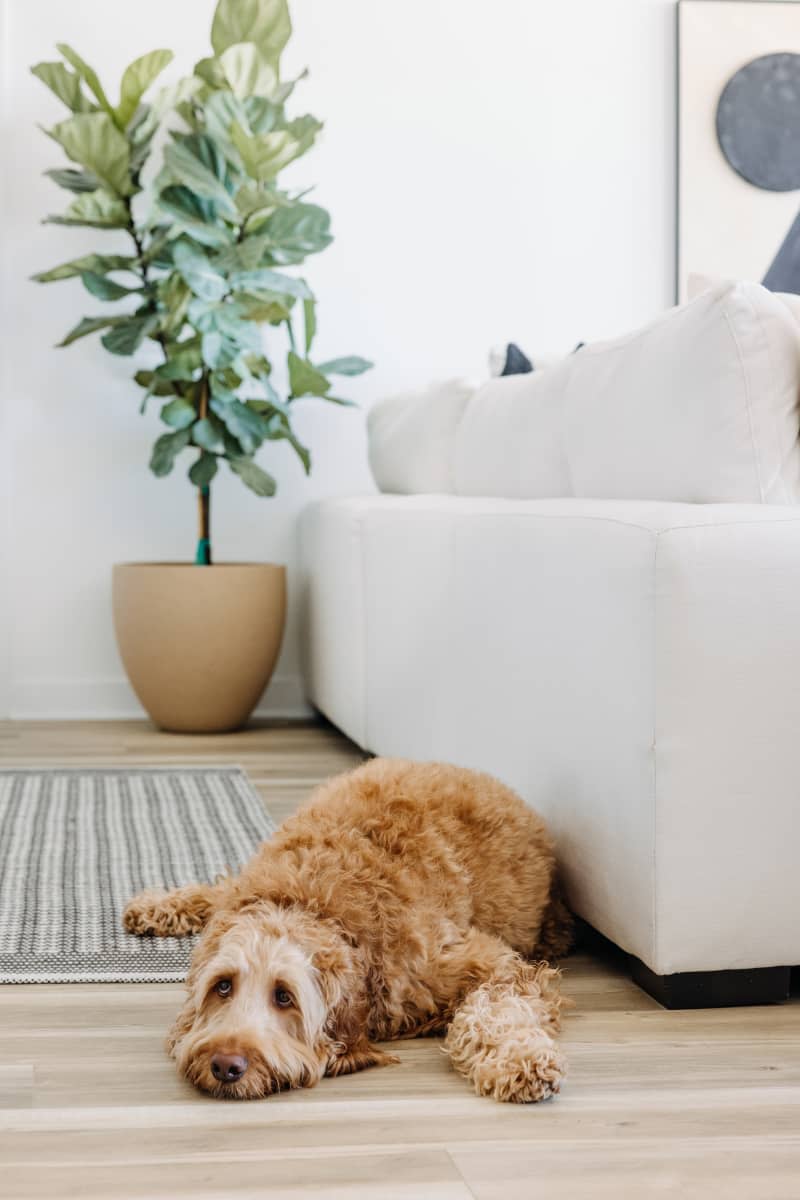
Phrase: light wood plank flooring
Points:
(657, 1104)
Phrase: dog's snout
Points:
(228, 1068)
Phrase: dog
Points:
(402, 899)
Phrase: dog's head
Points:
(263, 989)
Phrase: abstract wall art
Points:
(739, 142)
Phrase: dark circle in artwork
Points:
(758, 122)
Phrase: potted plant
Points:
(204, 280)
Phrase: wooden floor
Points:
(657, 1104)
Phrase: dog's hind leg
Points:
(176, 913)
(501, 1036)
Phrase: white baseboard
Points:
(114, 700)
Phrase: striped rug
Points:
(75, 845)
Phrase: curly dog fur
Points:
(404, 898)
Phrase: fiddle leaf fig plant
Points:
(209, 277)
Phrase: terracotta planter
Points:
(199, 644)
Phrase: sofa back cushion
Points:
(701, 405)
(411, 438)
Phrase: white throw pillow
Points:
(697, 284)
(411, 438)
(701, 405)
(510, 440)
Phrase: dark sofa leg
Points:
(714, 989)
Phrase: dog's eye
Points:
(282, 998)
(224, 987)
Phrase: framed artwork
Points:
(739, 142)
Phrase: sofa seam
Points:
(747, 404)
(728, 524)
(633, 524)
(361, 523)
(555, 516)
(776, 441)
(654, 855)
(605, 520)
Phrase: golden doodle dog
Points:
(403, 899)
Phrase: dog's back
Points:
(393, 830)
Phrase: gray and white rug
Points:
(75, 845)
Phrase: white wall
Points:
(494, 170)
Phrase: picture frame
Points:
(738, 143)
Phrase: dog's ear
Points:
(181, 1026)
(342, 977)
(201, 956)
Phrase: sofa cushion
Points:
(411, 437)
(701, 405)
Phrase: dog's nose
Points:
(228, 1068)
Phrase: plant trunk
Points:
(203, 555)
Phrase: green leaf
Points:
(198, 272)
(99, 210)
(87, 325)
(350, 365)
(310, 318)
(220, 112)
(183, 366)
(304, 378)
(265, 154)
(266, 23)
(282, 431)
(245, 255)
(166, 450)
(195, 215)
(247, 72)
(173, 303)
(128, 334)
(262, 113)
(136, 80)
(248, 427)
(185, 160)
(205, 434)
(101, 263)
(296, 232)
(218, 351)
(257, 480)
(210, 71)
(87, 75)
(304, 130)
(104, 288)
(265, 280)
(226, 319)
(302, 452)
(64, 83)
(93, 141)
(258, 366)
(256, 198)
(153, 385)
(263, 307)
(180, 414)
(203, 471)
(74, 181)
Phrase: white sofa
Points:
(630, 665)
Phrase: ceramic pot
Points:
(199, 643)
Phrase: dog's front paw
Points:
(499, 1042)
(519, 1070)
(147, 915)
